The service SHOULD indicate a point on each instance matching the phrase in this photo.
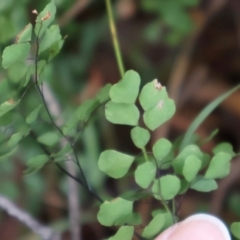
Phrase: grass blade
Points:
(203, 115)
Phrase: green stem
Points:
(168, 210)
(115, 38)
(145, 154)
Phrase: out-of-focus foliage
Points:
(172, 16)
(87, 46)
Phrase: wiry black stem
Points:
(80, 182)
(66, 172)
(50, 116)
(83, 182)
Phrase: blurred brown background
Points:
(190, 46)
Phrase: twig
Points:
(73, 191)
(46, 233)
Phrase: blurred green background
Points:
(191, 46)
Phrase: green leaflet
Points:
(25, 35)
(190, 150)
(161, 149)
(191, 167)
(36, 163)
(159, 107)
(124, 232)
(224, 147)
(16, 138)
(45, 18)
(17, 72)
(219, 166)
(202, 184)
(144, 174)
(235, 229)
(52, 35)
(122, 113)
(14, 53)
(103, 95)
(166, 187)
(126, 90)
(5, 157)
(154, 227)
(49, 139)
(32, 117)
(7, 106)
(140, 136)
(115, 164)
(114, 212)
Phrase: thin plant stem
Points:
(113, 30)
(145, 154)
(168, 210)
(48, 112)
(85, 123)
(165, 205)
(80, 181)
(83, 182)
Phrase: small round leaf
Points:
(168, 217)
(124, 232)
(166, 187)
(191, 167)
(126, 90)
(235, 229)
(178, 162)
(133, 219)
(159, 114)
(114, 212)
(224, 147)
(154, 227)
(115, 164)
(219, 166)
(151, 94)
(122, 113)
(202, 184)
(145, 174)
(157, 105)
(161, 149)
(140, 136)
